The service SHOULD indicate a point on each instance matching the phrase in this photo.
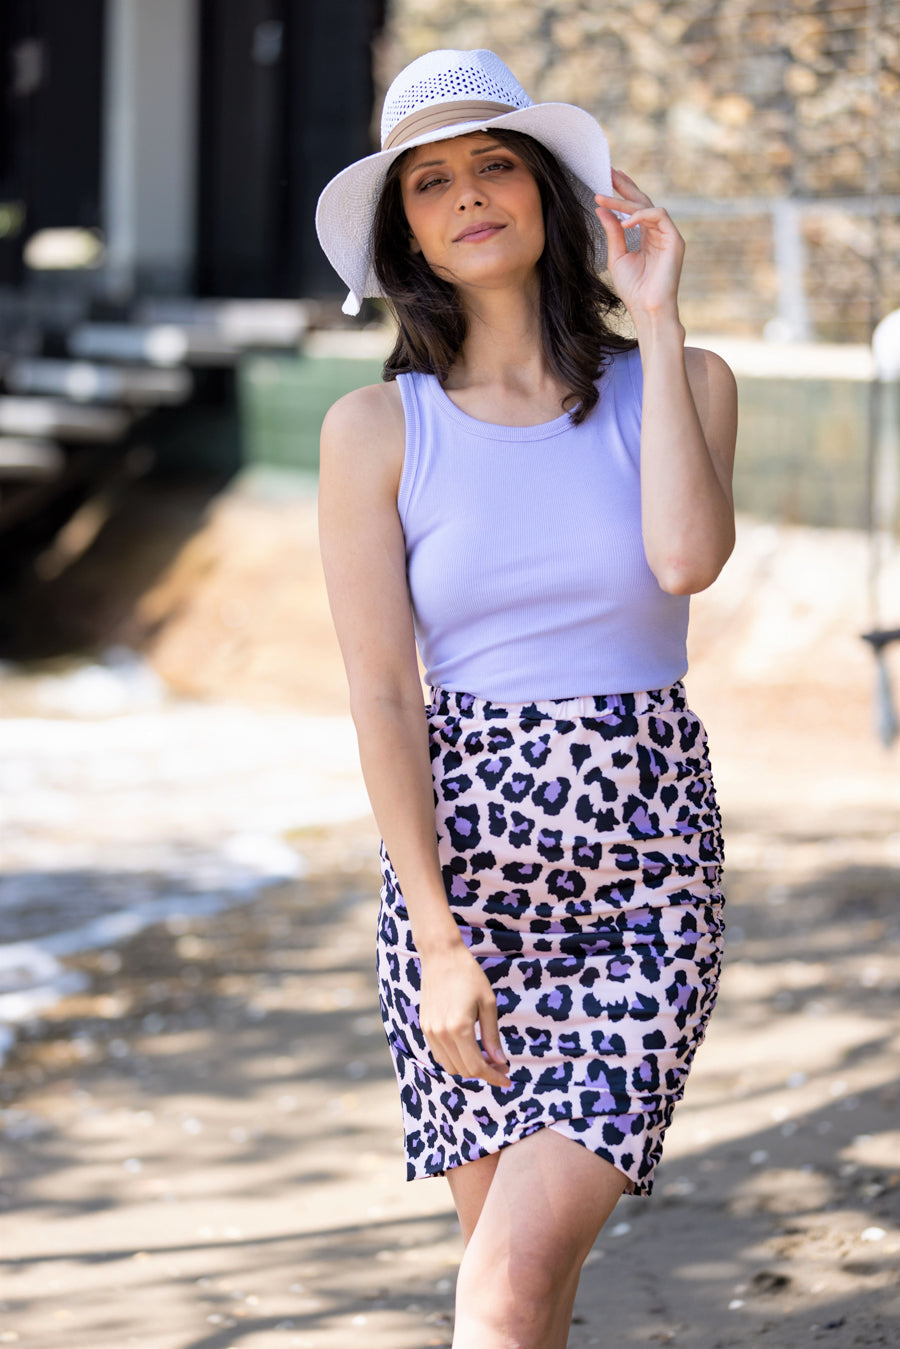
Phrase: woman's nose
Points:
(470, 194)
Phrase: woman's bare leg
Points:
(530, 1221)
(469, 1185)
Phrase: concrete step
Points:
(24, 459)
(52, 417)
(246, 323)
(156, 344)
(91, 382)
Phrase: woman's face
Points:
(474, 211)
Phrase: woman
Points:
(532, 497)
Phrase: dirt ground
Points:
(202, 1151)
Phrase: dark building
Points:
(160, 162)
(192, 136)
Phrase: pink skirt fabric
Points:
(581, 849)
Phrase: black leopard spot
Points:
(608, 1045)
(496, 819)
(487, 1125)
(540, 1041)
(492, 771)
(555, 1077)
(507, 1001)
(518, 787)
(535, 752)
(521, 873)
(645, 1077)
(454, 1102)
(549, 844)
(557, 1003)
(511, 903)
(654, 1039)
(608, 788)
(586, 854)
(530, 973)
(552, 796)
(412, 1102)
(626, 856)
(579, 754)
(641, 822)
(566, 884)
(462, 826)
(570, 1045)
(520, 833)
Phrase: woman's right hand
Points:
(455, 996)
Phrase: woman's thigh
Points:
(469, 1185)
(548, 1195)
(538, 1215)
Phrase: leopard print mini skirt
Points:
(581, 849)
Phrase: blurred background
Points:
(187, 885)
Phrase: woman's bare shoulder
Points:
(707, 366)
(372, 414)
(363, 442)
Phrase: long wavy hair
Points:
(575, 303)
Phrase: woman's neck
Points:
(501, 367)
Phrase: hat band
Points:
(440, 115)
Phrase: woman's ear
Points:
(414, 245)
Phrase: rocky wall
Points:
(734, 101)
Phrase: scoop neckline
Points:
(497, 430)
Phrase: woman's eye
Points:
(497, 164)
(426, 183)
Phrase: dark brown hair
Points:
(575, 304)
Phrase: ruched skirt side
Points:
(581, 848)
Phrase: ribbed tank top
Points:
(525, 559)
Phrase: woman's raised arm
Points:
(364, 557)
(689, 416)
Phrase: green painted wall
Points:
(801, 455)
(282, 400)
(801, 446)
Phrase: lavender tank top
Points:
(525, 560)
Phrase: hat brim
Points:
(346, 209)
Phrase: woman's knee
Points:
(516, 1295)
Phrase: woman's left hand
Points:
(646, 280)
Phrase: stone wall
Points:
(723, 109)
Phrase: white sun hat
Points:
(438, 96)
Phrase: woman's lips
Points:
(478, 232)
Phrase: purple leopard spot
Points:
(685, 995)
(458, 888)
(641, 821)
(552, 790)
(554, 999)
(462, 826)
